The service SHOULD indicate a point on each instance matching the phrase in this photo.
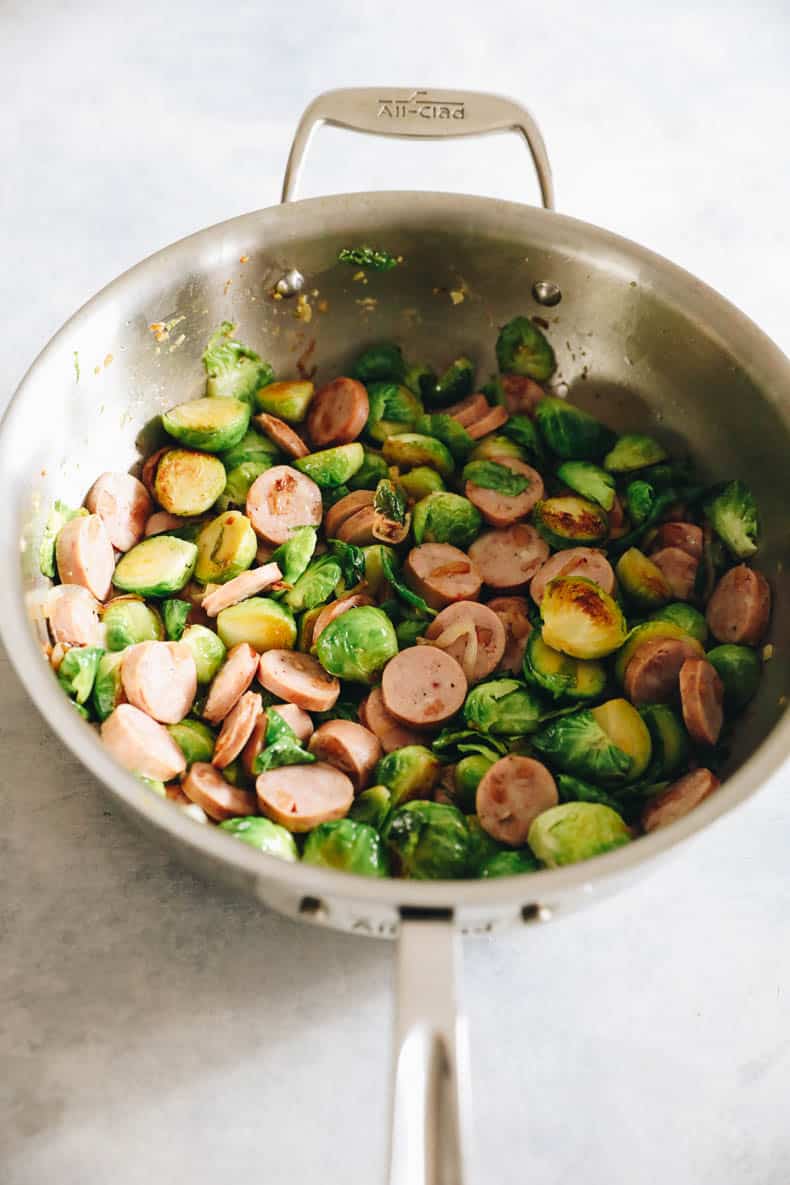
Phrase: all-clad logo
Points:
(421, 105)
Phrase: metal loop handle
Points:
(417, 114)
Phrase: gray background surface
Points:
(153, 1030)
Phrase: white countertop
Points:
(154, 1030)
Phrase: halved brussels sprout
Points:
(640, 501)
(357, 645)
(588, 480)
(393, 408)
(502, 707)
(571, 433)
(59, 515)
(739, 669)
(420, 482)
(188, 482)
(570, 521)
(576, 831)
(560, 675)
(175, 614)
(316, 584)
(128, 620)
(252, 447)
(208, 424)
(239, 480)
(421, 380)
(428, 841)
(77, 671)
(482, 845)
(641, 580)
(156, 567)
(467, 776)
(669, 740)
(580, 619)
(732, 512)
(347, 846)
(194, 738)
(382, 362)
(288, 401)
(268, 837)
(580, 744)
(410, 772)
(627, 730)
(263, 623)
(208, 651)
(446, 518)
(375, 577)
(295, 554)
(226, 547)
(521, 348)
(495, 447)
(634, 451)
(455, 383)
(233, 369)
(409, 449)
(107, 686)
(521, 430)
(443, 427)
(646, 632)
(370, 472)
(371, 806)
(512, 863)
(332, 466)
(686, 617)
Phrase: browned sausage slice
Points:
(390, 732)
(160, 678)
(686, 536)
(240, 587)
(679, 799)
(468, 410)
(500, 510)
(344, 508)
(162, 521)
(522, 394)
(358, 529)
(509, 559)
(237, 728)
(302, 796)
(123, 505)
(489, 422)
(651, 676)
(299, 721)
(279, 500)
(510, 796)
(423, 686)
(338, 413)
(282, 434)
(679, 568)
(230, 682)
(85, 556)
(206, 786)
(73, 615)
(513, 613)
(337, 609)
(141, 745)
(299, 679)
(472, 634)
(702, 700)
(739, 609)
(587, 562)
(441, 574)
(349, 747)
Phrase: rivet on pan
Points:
(313, 907)
(547, 293)
(536, 913)
(290, 283)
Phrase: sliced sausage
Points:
(279, 500)
(160, 678)
(85, 556)
(337, 609)
(338, 413)
(679, 799)
(141, 745)
(299, 679)
(651, 676)
(472, 634)
(679, 568)
(686, 536)
(587, 562)
(390, 732)
(349, 747)
(468, 410)
(493, 419)
(150, 466)
(441, 574)
(510, 558)
(283, 435)
(239, 588)
(513, 613)
(358, 529)
(205, 785)
(510, 796)
(162, 521)
(423, 686)
(73, 615)
(299, 721)
(230, 682)
(123, 505)
(500, 510)
(522, 394)
(702, 700)
(302, 796)
(336, 515)
(237, 728)
(739, 609)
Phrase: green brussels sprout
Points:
(443, 427)
(570, 521)
(393, 409)
(391, 519)
(347, 846)
(446, 518)
(580, 619)
(732, 512)
(570, 433)
(238, 482)
(370, 472)
(483, 847)
(642, 581)
(576, 831)
(495, 447)
(622, 723)
(408, 631)
(194, 738)
(156, 567)
(208, 651)
(332, 466)
(128, 620)
(511, 863)
(409, 449)
(502, 707)
(570, 789)
(371, 806)
(666, 476)
(77, 671)
(210, 424)
(268, 837)
(233, 369)
(646, 632)
(288, 401)
(295, 554)
(669, 742)
(316, 584)
(59, 515)
(521, 431)
(739, 670)
(107, 686)
(585, 745)
(382, 362)
(356, 645)
(632, 452)
(560, 675)
(188, 482)
(686, 617)
(410, 772)
(467, 776)
(352, 561)
(253, 447)
(421, 380)
(375, 578)
(588, 480)
(428, 841)
(521, 348)
(263, 623)
(420, 482)
(175, 614)
(640, 500)
(226, 547)
(455, 383)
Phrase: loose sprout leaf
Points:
(572, 789)
(351, 559)
(77, 671)
(403, 590)
(490, 475)
(449, 431)
(332, 494)
(367, 257)
(451, 742)
(640, 497)
(175, 614)
(59, 515)
(732, 512)
(283, 752)
(316, 584)
(344, 709)
(233, 368)
(278, 729)
(522, 431)
(389, 502)
(295, 554)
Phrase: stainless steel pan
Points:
(638, 341)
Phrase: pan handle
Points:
(429, 1115)
(411, 113)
